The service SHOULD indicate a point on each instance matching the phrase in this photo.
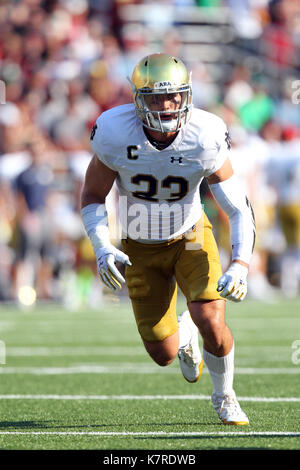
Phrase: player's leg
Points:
(209, 316)
(289, 218)
(184, 342)
(218, 355)
(197, 272)
(163, 352)
(153, 292)
(218, 347)
(158, 326)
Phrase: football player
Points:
(158, 149)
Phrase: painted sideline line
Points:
(131, 368)
(150, 433)
(142, 397)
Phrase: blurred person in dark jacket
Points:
(33, 229)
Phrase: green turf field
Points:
(81, 380)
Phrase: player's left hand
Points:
(233, 284)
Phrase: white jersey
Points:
(159, 189)
(283, 169)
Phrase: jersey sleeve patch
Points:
(95, 127)
(221, 149)
(97, 142)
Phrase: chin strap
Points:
(159, 145)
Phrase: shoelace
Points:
(230, 402)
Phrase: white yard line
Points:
(75, 351)
(142, 397)
(138, 368)
(266, 370)
(21, 351)
(152, 433)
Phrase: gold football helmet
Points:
(161, 74)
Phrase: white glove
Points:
(106, 258)
(233, 284)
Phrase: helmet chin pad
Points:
(161, 125)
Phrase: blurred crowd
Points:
(64, 62)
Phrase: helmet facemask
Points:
(163, 120)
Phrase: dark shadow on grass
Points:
(54, 425)
(25, 424)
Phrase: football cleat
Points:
(229, 410)
(190, 358)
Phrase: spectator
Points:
(65, 62)
(7, 216)
(283, 170)
(33, 231)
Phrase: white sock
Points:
(221, 370)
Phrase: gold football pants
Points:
(289, 217)
(191, 261)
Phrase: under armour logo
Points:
(174, 159)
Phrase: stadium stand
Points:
(62, 63)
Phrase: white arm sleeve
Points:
(94, 217)
(231, 197)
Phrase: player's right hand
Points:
(110, 275)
